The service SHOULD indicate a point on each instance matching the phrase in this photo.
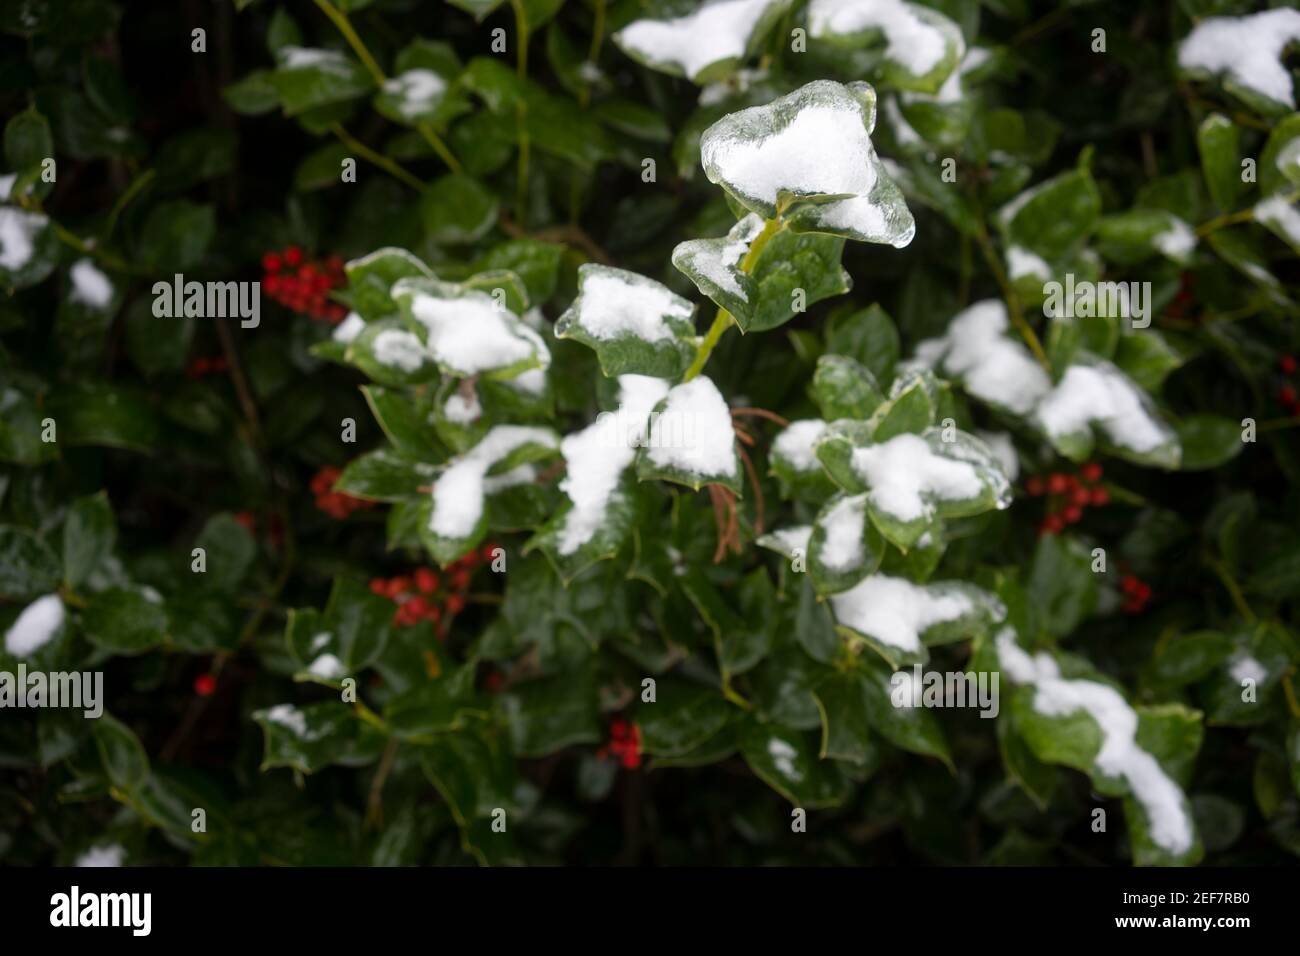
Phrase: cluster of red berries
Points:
(275, 528)
(424, 595)
(303, 285)
(624, 743)
(1069, 495)
(204, 365)
(1286, 395)
(1136, 594)
(336, 504)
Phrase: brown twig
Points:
(750, 411)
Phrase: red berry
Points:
(455, 604)
(426, 580)
(1091, 472)
(379, 586)
(1100, 496)
(1286, 395)
(398, 585)
(292, 255)
(1072, 514)
(1143, 592)
(489, 552)
(1057, 483)
(1287, 364)
(1034, 486)
(1052, 524)
(460, 579)
(204, 685)
(271, 262)
(1129, 584)
(1081, 497)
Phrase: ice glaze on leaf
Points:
(807, 157)
(922, 46)
(705, 45)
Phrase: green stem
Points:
(1232, 218)
(1233, 589)
(107, 258)
(130, 193)
(383, 162)
(521, 113)
(723, 320)
(340, 20)
(1012, 297)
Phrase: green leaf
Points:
(457, 209)
(252, 95)
(88, 537)
(423, 87)
(1208, 441)
(1190, 657)
(537, 264)
(371, 279)
(844, 388)
(27, 140)
(404, 417)
(681, 718)
(125, 621)
(547, 715)
(309, 78)
(121, 753)
(787, 761)
(1217, 138)
(634, 324)
(895, 709)
(846, 729)
(314, 736)
(28, 567)
(29, 248)
(832, 182)
(869, 336)
(1138, 234)
(845, 547)
(1054, 218)
(384, 475)
(92, 413)
(229, 551)
(388, 352)
(435, 706)
(1061, 585)
(177, 234)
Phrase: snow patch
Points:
(35, 626)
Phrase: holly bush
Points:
(375, 429)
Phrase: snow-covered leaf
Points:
(458, 518)
(705, 45)
(306, 78)
(1246, 52)
(1138, 234)
(1094, 398)
(691, 440)
(598, 482)
(1280, 218)
(636, 325)
(807, 157)
(922, 46)
(29, 248)
(467, 330)
(1053, 218)
(845, 546)
(423, 87)
(391, 354)
(371, 278)
(343, 640)
(315, 736)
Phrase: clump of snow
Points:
(1280, 216)
(327, 666)
(1247, 49)
(1021, 262)
(417, 91)
(813, 142)
(597, 456)
(916, 38)
(1177, 241)
(18, 231)
(844, 526)
(289, 717)
(615, 303)
(717, 31)
(110, 855)
(524, 474)
(462, 409)
(693, 433)
(897, 612)
(468, 331)
(1161, 799)
(991, 366)
(788, 541)
(7, 184)
(303, 58)
(347, 330)
(35, 626)
(903, 474)
(1243, 667)
(1100, 394)
(89, 285)
(459, 491)
(795, 444)
(400, 349)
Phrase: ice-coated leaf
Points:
(845, 547)
(391, 354)
(912, 480)
(597, 480)
(1087, 724)
(922, 46)
(995, 368)
(807, 157)
(1246, 52)
(371, 278)
(458, 518)
(898, 618)
(791, 542)
(306, 78)
(691, 440)
(1094, 397)
(469, 331)
(635, 325)
(759, 291)
(705, 45)
(1280, 218)
(845, 388)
